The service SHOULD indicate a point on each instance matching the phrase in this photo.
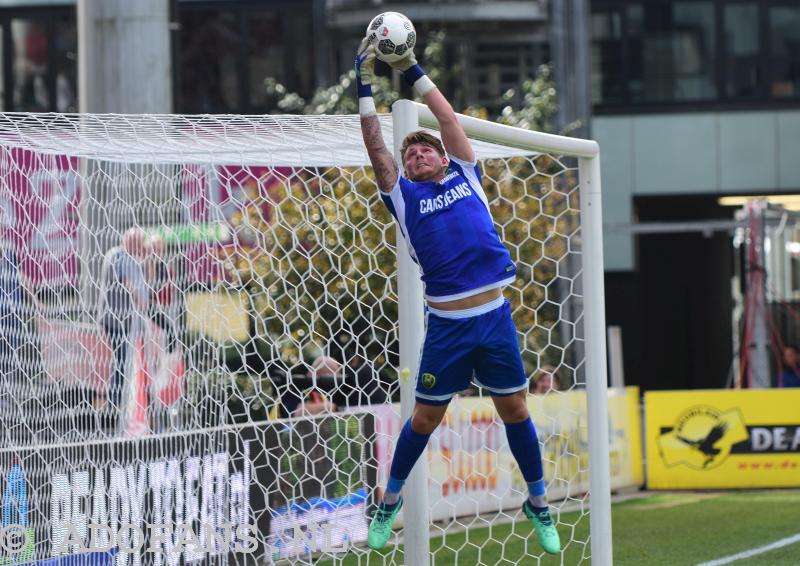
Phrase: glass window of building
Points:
(208, 61)
(672, 50)
(42, 63)
(493, 69)
(32, 89)
(607, 56)
(227, 50)
(742, 63)
(784, 29)
(3, 85)
(657, 54)
(65, 45)
(266, 53)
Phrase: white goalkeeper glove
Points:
(414, 74)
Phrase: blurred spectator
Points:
(790, 374)
(124, 296)
(303, 394)
(31, 91)
(363, 384)
(11, 315)
(315, 400)
(545, 380)
(162, 291)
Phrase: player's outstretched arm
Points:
(455, 140)
(379, 155)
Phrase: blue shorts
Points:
(481, 348)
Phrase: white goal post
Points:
(212, 322)
(409, 116)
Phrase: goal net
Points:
(204, 349)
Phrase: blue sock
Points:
(524, 446)
(409, 447)
(392, 496)
(394, 485)
(536, 487)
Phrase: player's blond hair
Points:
(421, 137)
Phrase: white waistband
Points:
(469, 313)
(475, 291)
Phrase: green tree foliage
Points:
(538, 103)
(320, 266)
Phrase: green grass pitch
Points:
(665, 529)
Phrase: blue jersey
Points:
(450, 233)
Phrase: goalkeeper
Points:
(438, 201)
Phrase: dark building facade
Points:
(693, 100)
(223, 50)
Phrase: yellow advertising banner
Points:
(708, 439)
(561, 421)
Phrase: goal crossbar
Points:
(510, 136)
(276, 141)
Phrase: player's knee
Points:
(514, 409)
(424, 421)
(516, 415)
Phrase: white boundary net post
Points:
(588, 153)
(596, 381)
(411, 329)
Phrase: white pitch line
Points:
(753, 551)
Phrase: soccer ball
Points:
(392, 34)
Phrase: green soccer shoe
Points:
(380, 528)
(545, 529)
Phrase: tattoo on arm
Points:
(381, 158)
